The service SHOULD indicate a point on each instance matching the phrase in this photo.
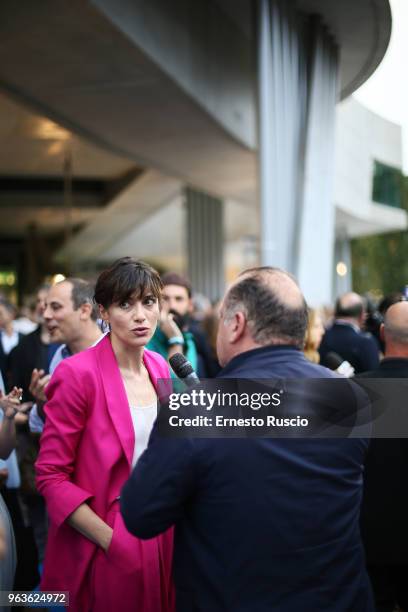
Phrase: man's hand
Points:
(168, 325)
(39, 380)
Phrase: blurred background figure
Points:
(26, 576)
(346, 338)
(201, 307)
(9, 338)
(314, 335)
(172, 335)
(375, 314)
(26, 320)
(7, 551)
(373, 320)
(178, 331)
(10, 407)
(388, 300)
(35, 350)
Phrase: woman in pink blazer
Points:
(99, 413)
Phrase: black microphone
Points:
(184, 370)
(335, 362)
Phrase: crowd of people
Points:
(96, 503)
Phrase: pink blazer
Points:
(86, 454)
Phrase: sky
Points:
(386, 92)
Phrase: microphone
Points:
(335, 362)
(184, 370)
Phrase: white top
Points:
(9, 342)
(143, 418)
(24, 325)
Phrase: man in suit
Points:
(261, 525)
(346, 338)
(385, 500)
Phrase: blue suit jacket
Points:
(358, 348)
(262, 525)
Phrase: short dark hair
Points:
(173, 278)
(43, 287)
(390, 300)
(124, 278)
(82, 293)
(354, 311)
(269, 318)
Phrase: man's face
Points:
(176, 300)
(62, 321)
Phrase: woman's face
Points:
(133, 322)
(316, 332)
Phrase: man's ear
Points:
(382, 334)
(86, 311)
(190, 306)
(237, 326)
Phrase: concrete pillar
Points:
(205, 243)
(297, 78)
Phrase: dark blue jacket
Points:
(262, 525)
(358, 348)
(384, 509)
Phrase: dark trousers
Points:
(390, 586)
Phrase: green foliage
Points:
(380, 263)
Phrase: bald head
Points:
(274, 306)
(396, 327)
(281, 283)
(349, 306)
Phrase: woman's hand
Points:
(106, 538)
(87, 522)
(10, 403)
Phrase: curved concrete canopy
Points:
(362, 29)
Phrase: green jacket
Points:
(159, 344)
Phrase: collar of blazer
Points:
(115, 393)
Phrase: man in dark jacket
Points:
(385, 500)
(346, 338)
(261, 525)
